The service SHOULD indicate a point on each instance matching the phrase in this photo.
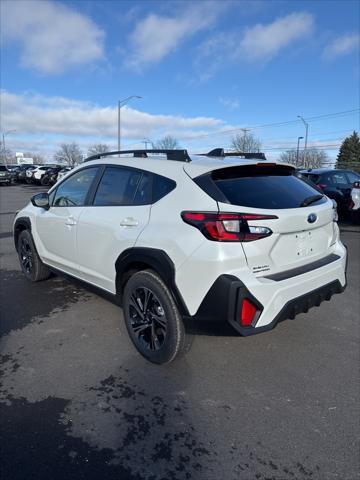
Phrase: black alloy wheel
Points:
(152, 318)
(30, 262)
(148, 319)
(26, 255)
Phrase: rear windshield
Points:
(265, 187)
(312, 177)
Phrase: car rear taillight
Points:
(248, 312)
(228, 227)
(322, 186)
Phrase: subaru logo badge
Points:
(312, 218)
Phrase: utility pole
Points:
(146, 141)
(3, 144)
(121, 103)
(297, 151)
(306, 138)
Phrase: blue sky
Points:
(204, 70)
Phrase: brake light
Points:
(248, 311)
(228, 227)
(322, 186)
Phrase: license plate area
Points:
(294, 247)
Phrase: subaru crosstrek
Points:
(243, 241)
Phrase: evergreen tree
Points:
(349, 154)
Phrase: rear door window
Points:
(264, 187)
(353, 177)
(117, 186)
(339, 178)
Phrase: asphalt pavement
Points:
(78, 402)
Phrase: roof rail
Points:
(178, 155)
(220, 152)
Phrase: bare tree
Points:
(312, 158)
(7, 155)
(245, 142)
(167, 143)
(69, 153)
(98, 148)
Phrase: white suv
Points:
(236, 240)
(36, 174)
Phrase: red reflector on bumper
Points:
(248, 312)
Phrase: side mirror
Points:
(41, 200)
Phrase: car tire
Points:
(31, 265)
(28, 181)
(45, 181)
(152, 318)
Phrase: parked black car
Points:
(50, 177)
(14, 170)
(335, 183)
(6, 175)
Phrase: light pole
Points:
(3, 141)
(146, 141)
(297, 151)
(121, 103)
(306, 136)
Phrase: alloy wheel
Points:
(148, 319)
(26, 255)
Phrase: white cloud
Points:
(263, 42)
(259, 43)
(341, 46)
(157, 35)
(55, 119)
(53, 37)
(229, 103)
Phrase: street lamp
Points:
(306, 136)
(3, 141)
(121, 103)
(297, 151)
(146, 141)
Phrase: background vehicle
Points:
(335, 183)
(63, 172)
(22, 169)
(35, 175)
(355, 202)
(50, 176)
(243, 241)
(14, 170)
(5, 175)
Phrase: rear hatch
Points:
(300, 228)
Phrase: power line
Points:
(277, 124)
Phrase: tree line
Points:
(70, 154)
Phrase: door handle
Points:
(129, 222)
(70, 221)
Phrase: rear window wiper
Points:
(312, 199)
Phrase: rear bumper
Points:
(293, 307)
(275, 301)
